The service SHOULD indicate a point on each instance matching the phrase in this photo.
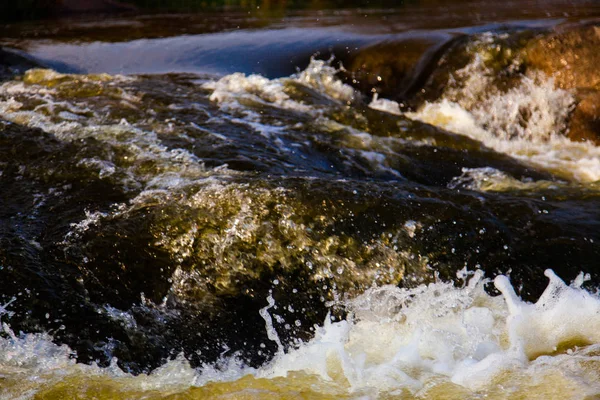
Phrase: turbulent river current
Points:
(347, 204)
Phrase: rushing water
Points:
(213, 207)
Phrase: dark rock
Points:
(13, 63)
(396, 69)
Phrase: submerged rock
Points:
(13, 63)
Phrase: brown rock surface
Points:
(585, 120)
(572, 56)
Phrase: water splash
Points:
(433, 339)
(398, 339)
(526, 121)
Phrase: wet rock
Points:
(396, 69)
(13, 63)
(571, 56)
(585, 121)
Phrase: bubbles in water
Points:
(526, 121)
(393, 340)
(420, 338)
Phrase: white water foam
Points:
(232, 91)
(246, 97)
(42, 100)
(385, 105)
(545, 148)
(394, 341)
(491, 179)
(250, 98)
(526, 122)
(404, 339)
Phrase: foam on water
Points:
(44, 97)
(542, 148)
(434, 340)
(312, 96)
(235, 91)
(385, 105)
(401, 339)
(526, 122)
(493, 180)
(242, 95)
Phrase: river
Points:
(277, 202)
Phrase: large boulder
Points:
(571, 55)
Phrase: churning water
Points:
(226, 215)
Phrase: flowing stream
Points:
(220, 206)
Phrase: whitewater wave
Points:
(431, 340)
(526, 122)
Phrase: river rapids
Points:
(264, 208)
